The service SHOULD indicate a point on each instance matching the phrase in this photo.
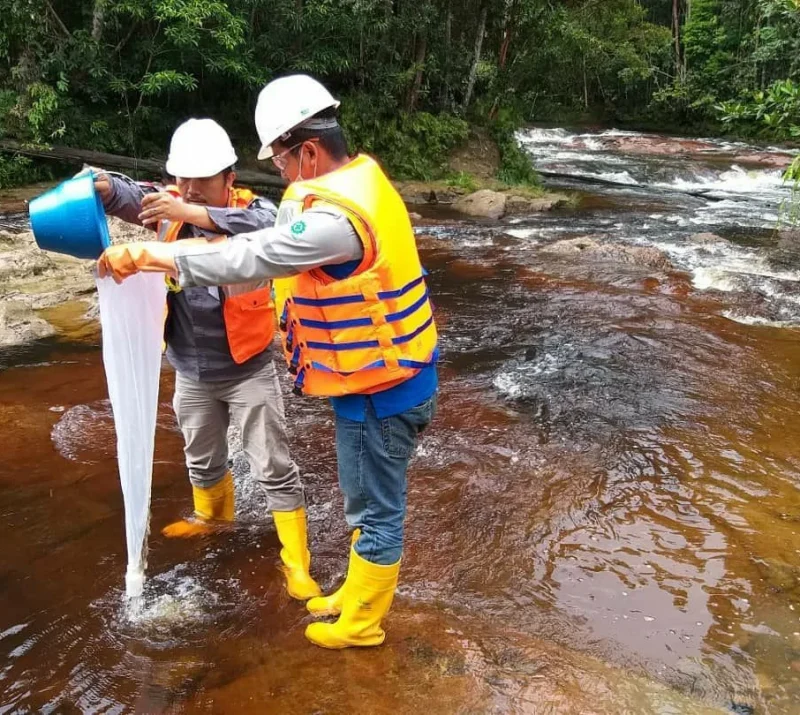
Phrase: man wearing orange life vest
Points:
(356, 323)
(218, 340)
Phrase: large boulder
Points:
(483, 204)
(19, 324)
(589, 248)
(516, 205)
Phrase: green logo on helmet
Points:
(298, 227)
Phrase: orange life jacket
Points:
(373, 329)
(247, 309)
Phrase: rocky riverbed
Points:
(34, 282)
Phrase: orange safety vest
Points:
(247, 309)
(373, 329)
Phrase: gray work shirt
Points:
(324, 238)
(197, 343)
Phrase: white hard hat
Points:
(199, 148)
(286, 103)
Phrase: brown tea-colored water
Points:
(603, 518)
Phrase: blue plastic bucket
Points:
(70, 219)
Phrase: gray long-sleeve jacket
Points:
(323, 238)
(197, 344)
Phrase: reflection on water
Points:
(603, 519)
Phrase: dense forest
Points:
(118, 75)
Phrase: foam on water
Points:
(170, 599)
(615, 177)
(516, 383)
(713, 278)
(736, 180)
(758, 320)
(522, 232)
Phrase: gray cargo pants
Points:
(255, 403)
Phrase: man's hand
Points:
(102, 185)
(122, 261)
(164, 206)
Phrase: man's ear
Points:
(312, 151)
(230, 180)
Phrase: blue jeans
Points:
(373, 458)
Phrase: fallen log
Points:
(149, 167)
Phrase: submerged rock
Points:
(589, 248)
(786, 254)
(706, 238)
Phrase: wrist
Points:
(197, 215)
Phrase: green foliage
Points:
(586, 57)
(774, 112)
(463, 180)
(16, 170)
(411, 146)
(738, 56)
(516, 167)
(118, 76)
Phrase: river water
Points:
(604, 518)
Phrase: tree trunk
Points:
(149, 166)
(98, 19)
(444, 98)
(473, 72)
(502, 57)
(508, 31)
(419, 63)
(676, 36)
(687, 14)
(585, 85)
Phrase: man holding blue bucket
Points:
(218, 340)
(356, 322)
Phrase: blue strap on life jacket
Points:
(299, 382)
(363, 344)
(364, 322)
(412, 364)
(350, 299)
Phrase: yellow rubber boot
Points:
(368, 594)
(293, 535)
(214, 504)
(331, 605)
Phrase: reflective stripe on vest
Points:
(247, 309)
(373, 329)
